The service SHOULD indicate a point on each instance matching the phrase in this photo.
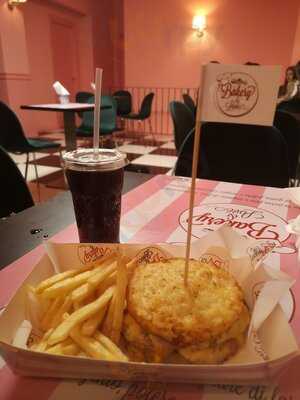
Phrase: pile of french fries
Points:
(81, 310)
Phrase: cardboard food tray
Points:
(269, 348)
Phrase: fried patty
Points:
(161, 305)
(142, 346)
(222, 347)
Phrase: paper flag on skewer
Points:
(239, 94)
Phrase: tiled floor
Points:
(143, 152)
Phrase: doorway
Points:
(65, 57)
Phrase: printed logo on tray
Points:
(150, 254)
(236, 93)
(212, 259)
(89, 253)
(256, 289)
(249, 222)
(258, 253)
(258, 346)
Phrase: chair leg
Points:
(60, 158)
(151, 129)
(37, 177)
(115, 141)
(26, 167)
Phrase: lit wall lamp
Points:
(13, 3)
(199, 24)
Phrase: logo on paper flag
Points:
(240, 94)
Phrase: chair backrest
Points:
(146, 106)
(108, 119)
(292, 105)
(246, 154)
(289, 126)
(15, 195)
(12, 137)
(183, 121)
(189, 102)
(124, 102)
(82, 97)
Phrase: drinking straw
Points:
(193, 183)
(98, 82)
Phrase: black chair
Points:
(183, 121)
(189, 102)
(108, 120)
(249, 154)
(15, 196)
(124, 102)
(292, 105)
(82, 97)
(144, 112)
(289, 126)
(13, 139)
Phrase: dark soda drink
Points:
(96, 187)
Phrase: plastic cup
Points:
(96, 187)
(64, 99)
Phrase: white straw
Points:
(98, 82)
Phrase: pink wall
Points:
(109, 40)
(26, 58)
(162, 50)
(296, 49)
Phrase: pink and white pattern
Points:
(154, 212)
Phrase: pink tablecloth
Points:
(156, 212)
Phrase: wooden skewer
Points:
(193, 183)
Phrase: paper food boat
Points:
(270, 347)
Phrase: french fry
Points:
(119, 301)
(110, 346)
(57, 349)
(72, 272)
(42, 345)
(65, 286)
(68, 347)
(46, 322)
(78, 316)
(77, 305)
(90, 326)
(99, 276)
(131, 265)
(91, 346)
(108, 320)
(84, 290)
(33, 308)
(65, 307)
(109, 281)
(71, 349)
(55, 278)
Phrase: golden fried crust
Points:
(160, 303)
(141, 346)
(222, 347)
(215, 354)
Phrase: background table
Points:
(68, 111)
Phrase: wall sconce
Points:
(199, 24)
(13, 3)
